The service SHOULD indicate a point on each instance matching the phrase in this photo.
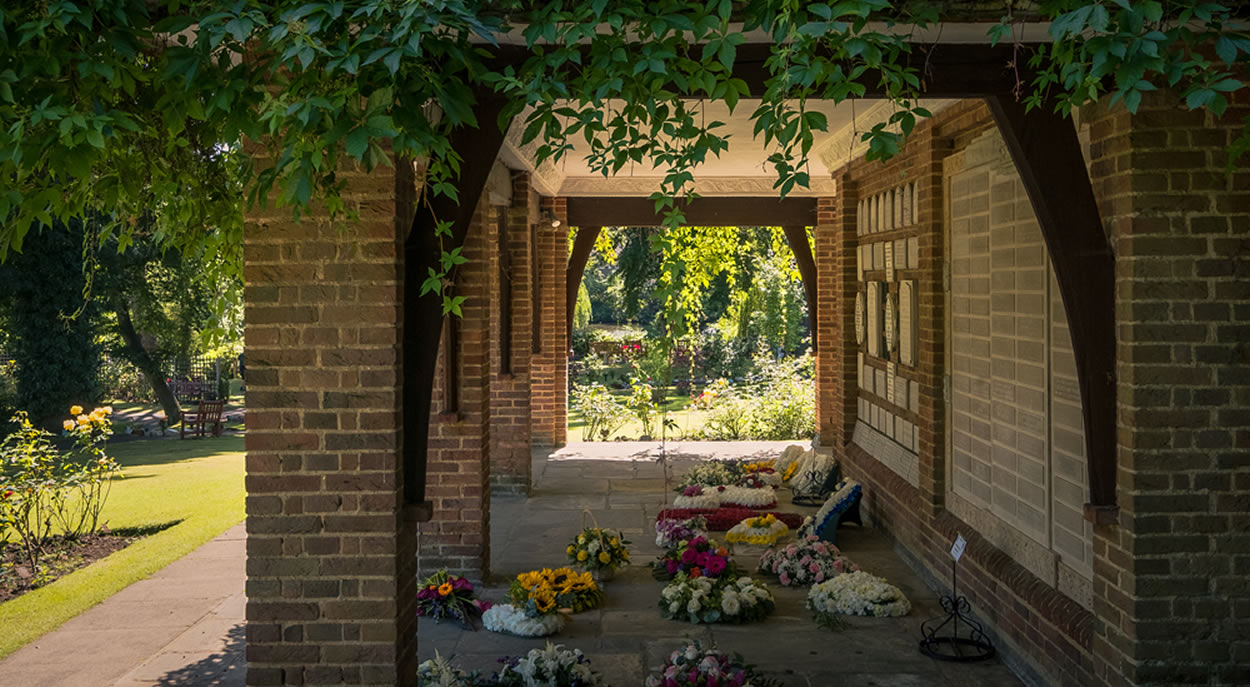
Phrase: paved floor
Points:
(181, 626)
(627, 635)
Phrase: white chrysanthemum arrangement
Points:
(856, 593)
(715, 599)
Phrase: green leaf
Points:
(356, 142)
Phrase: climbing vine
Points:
(183, 109)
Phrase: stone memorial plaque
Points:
(915, 200)
(889, 260)
(891, 324)
(859, 263)
(908, 219)
(900, 254)
(880, 382)
(859, 218)
(890, 376)
(878, 256)
(900, 220)
(859, 318)
(913, 253)
(873, 310)
(907, 322)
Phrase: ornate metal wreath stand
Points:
(973, 645)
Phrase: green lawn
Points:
(688, 421)
(197, 482)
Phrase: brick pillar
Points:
(834, 251)
(510, 393)
(1170, 588)
(458, 472)
(329, 551)
(550, 370)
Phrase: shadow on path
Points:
(225, 668)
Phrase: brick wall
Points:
(458, 472)
(1042, 631)
(510, 393)
(550, 366)
(328, 547)
(1170, 580)
(834, 253)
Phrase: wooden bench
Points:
(206, 418)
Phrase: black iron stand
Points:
(973, 645)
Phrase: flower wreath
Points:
(598, 549)
(442, 672)
(728, 496)
(761, 530)
(805, 561)
(715, 599)
(565, 587)
(712, 473)
(551, 665)
(843, 498)
(694, 666)
(698, 557)
(509, 619)
(722, 519)
(697, 496)
(856, 593)
(669, 533)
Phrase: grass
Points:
(688, 421)
(198, 483)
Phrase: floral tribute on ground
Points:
(698, 557)
(576, 591)
(756, 497)
(694, 666)
(721, 519)
(551, 666)
(669, 533)
(761, 530)
(598, 549)
(806, 561)
(856, 593)
(449, 596)
(723, 599)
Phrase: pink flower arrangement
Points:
(699, 557)
(807, 561)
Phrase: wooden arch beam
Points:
(423, 315)
(796, 236)
(583, 245)
(1047, 155)
(706, 212)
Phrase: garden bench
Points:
(207, 417)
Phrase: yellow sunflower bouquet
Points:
(598, 549)
(541, 592)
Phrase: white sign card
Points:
(957, 551)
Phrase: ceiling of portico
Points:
(742, 170)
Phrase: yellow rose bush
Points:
(46, 490)
(598, 549)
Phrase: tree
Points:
(114, 108)
(51, 329)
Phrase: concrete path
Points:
(181, 626)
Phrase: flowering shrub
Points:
(641, 403)
(544, 591)
(44, 491)
(598, 549)
(708, 397)
(694, 666)
(856, 593)
(602, 412)
(448, 596)
(805, 561)
(715, 599)
(698, 557)
(669, 533)
(761, 530)
(552, 666)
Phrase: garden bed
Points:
(61, 557)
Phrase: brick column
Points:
(510, 394)
(457, 536)
(329, 553)
(1170, 579)
(550, 369)
(834, 252)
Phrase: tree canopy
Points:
(137, 108)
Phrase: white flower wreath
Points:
(857, 593)
(509, 619)
(762, 530)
